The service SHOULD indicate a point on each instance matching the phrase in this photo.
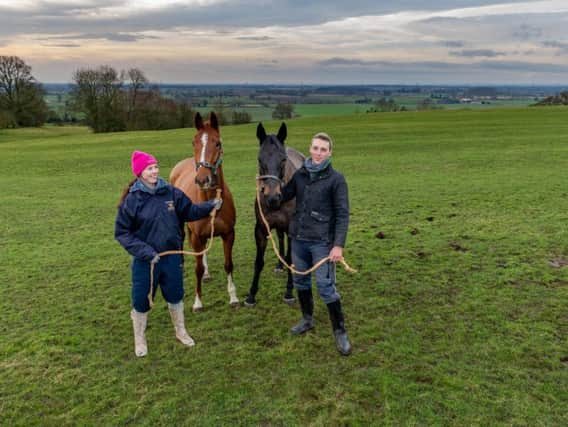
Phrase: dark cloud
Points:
(117, 37)
(472, 53)
(59, 17)
(522, 66)
(527, 32)
(66, 45)
(421, 66)
(561, 46)
(256, 39)
(348, 62)
(454, 43)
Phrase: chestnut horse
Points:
(276, 165)
(199, 177)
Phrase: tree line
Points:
(107, 100)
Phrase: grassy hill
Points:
(457, 316)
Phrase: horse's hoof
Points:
(234, 304)
(197, 309)
(278, 269)
(207, 278)
(289, 299)
(249, 302)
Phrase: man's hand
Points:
(155, 260)
(336, 254)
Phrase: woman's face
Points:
(319, 151)
(150, 174)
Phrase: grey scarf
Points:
(314, 169)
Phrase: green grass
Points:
(462, 322)
(314, 110)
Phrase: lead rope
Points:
(213, 214)
(275, 249)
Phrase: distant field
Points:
(457, 316)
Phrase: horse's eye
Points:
(218, 144)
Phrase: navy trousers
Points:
(168, 276)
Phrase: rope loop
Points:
(275, 249)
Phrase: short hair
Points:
(325, 137)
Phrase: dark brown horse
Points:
(199, 177)
(276, 165)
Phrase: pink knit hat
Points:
(140, 161)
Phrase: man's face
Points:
(319, 150)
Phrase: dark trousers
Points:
(168, 275)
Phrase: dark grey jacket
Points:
(322, 206)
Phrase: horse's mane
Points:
(295, 162)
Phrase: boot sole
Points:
(303, 331)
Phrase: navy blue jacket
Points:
(322, 206)
(147, 223)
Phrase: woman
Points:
(318, 230)
(151, 214)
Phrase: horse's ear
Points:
(213, 121)
(260, 132)
(198, 120)
(282, 133)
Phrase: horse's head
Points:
(207, 151)
(271, 164)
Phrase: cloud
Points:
(516, 66)
(472, 53)
(65, 45)
(453, 43)
(522, 66)
(561, 46)
(117, 37)
(527, 32)
(255, 38)
(145, 15)
(349, 62)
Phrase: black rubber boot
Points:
(337, 323)
(307, 305)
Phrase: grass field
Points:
(458, 316)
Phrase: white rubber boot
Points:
(176, 312)
(139, 321)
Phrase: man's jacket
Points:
(322, 206)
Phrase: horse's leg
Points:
(206, 275)
(261, 241)
(289, 294)
(198, 245)
(228, 241)
(279, 267)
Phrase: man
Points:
(318, 229)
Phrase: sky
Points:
(445, 42)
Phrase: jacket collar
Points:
(140, 186)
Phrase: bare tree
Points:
(21, 97)
(136, 81)
(98, 93)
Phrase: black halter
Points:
(265, 177)
(213, 167)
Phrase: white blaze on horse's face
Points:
(204, 139)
